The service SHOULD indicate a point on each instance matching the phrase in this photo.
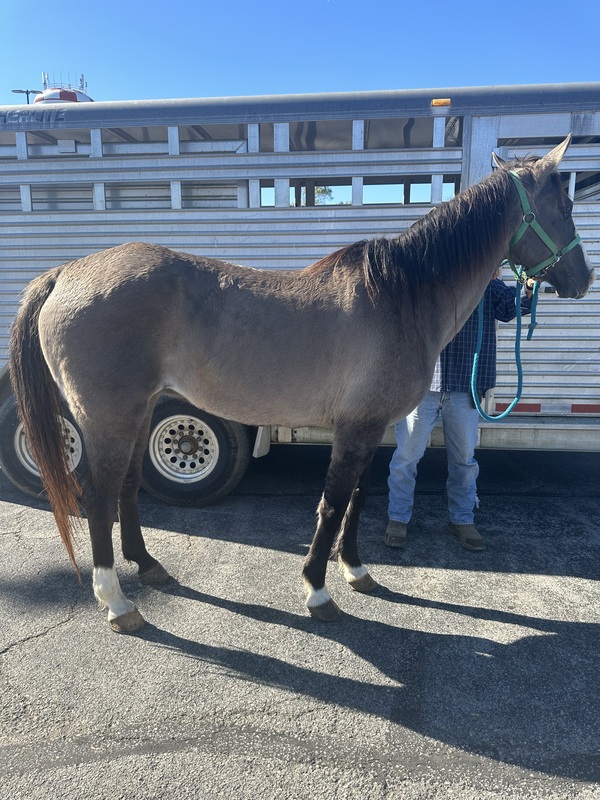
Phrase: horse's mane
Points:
(453, 239)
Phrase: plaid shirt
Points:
(455, 364)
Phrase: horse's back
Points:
(246, 344)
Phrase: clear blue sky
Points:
(130, 50)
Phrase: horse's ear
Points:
(551, 161)
(498, 162)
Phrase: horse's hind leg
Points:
(132, 540)
(100, 503)
(352, 452)
(109, 455)
(346, 547)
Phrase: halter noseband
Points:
(529, 221)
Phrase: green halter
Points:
(529, 221)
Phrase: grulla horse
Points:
(348, 343)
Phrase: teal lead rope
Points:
(533, 321)
(532, 326)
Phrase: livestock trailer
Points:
(278, 182)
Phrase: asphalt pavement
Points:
(466, 675)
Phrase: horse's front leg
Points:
(330, 512)
(352, 453)
(346, 546)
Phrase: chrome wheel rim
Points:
(183, 449)
(73, 446)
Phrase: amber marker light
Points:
(441, 101)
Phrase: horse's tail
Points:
(39, 407)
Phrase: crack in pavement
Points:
(38, 635)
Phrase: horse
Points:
(348, 343)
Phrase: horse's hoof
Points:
(155, 575)
(130, 622)
(326, 612)
(364, 584)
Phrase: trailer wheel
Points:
(193, 458)
(15, 456)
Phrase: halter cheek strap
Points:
(529, 221)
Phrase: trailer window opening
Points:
(7, 144)
(320, 192)
(58, 143)
(453, 133)
(321, 135)
(409, 190)
(403, 133)
(587, 187)
(135, 141)
(266, 137)
(267, 194)
(213, 132)
(545, 141)
(398, 134)
(450, 187)
(307, 193)
(310, 136)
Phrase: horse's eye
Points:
(567, 208)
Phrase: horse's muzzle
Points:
(572, 292)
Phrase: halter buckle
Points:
(529, 217)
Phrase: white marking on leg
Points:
(352, 573)
(108, 592)
(316, 597)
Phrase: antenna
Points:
(51, 84)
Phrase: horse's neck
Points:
(455, 298)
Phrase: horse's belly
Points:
(257, 402)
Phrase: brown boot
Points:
(468, 536)
(395, 534)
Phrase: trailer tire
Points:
(16, 460)
(193, 458)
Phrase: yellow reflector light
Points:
(441, 101)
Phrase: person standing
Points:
(449, 398)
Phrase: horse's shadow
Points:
(531, 703)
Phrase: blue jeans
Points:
(460, 423)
